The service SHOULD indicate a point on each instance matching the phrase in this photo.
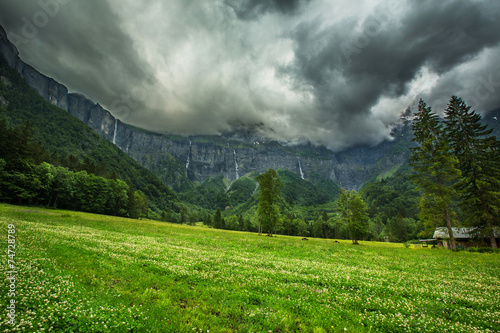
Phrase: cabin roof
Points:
(442, 232)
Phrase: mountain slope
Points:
(64, 135)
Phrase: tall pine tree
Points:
(218, 220)
(478, 153)
(437, 171)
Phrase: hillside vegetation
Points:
(69, 141)
(93, 273)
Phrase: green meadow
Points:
(78, 272)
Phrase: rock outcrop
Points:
(201, 157)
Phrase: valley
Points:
(113, 274)
(249, 166)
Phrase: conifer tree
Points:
(325, 227)
(132, 209)
(241, 223)
(184, 212)
(478, 153)
(218, 220)
(168, 218)
(436, 169)
(208, 220)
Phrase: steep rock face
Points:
(57, 94)
(48, 88)
(201, 159)
(9, 51)
(92, 114)
(175, 158)
(355, 166)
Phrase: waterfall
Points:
(300, 169)
(189, 154)
(114, 134)
(236, 164)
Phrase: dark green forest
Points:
(27, 178)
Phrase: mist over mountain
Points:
(178, 160)
(239, 150)
(336, 74)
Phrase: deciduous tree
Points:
(353, 214)
(269, 199)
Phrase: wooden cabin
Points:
(464, 238)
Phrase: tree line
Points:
(27, 177)
(349, 221)
(457, 165)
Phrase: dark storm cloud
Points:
(350, 69)
(79, 43)
(478, 82)
(332, 72)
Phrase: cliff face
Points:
(200, 157)
(174, 158)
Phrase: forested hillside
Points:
(392, 207)
(71, 143)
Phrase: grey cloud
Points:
(82, 46)
(379, 63)
(477, 82)
(292, 70)
(252, 9)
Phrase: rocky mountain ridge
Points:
(175, 159)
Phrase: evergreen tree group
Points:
(458, 168)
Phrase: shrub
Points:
(484, 250)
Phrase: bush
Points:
(484, 250)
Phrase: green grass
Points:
(89, 273)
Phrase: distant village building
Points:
(464, 237)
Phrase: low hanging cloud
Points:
(332, 73)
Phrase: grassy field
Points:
(80, 272)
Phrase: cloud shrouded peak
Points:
(333, 73)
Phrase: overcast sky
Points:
(337, 73)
